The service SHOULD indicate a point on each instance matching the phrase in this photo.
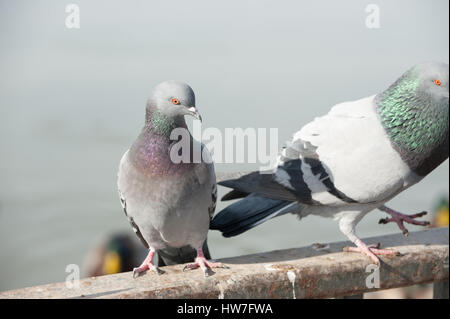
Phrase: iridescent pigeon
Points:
(352, 160)
(168, 203)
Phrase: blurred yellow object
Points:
(112, 263)
(442, 217)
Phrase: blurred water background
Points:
(72, 101)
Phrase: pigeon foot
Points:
(400, 218)
(371, 251)
(205, 265)
(147, 264)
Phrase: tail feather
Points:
(248, 213)
(234, 194)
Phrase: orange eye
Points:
(175, 101)
(437, 82)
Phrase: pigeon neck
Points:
(161, 124)
(150, 152)
(416, 126)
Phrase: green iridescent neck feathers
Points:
(414, 113)
(160, 123)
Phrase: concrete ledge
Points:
(316, 271)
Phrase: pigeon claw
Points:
(143, 268)
(137, 272)
(205, 265)
(371, 251)
(400, 218)
(208, 272)
(158, 271)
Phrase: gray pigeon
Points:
(352, 160)
(168, 204)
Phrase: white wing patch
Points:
(320, 193)
(354, 150)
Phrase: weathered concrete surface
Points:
(316, 271)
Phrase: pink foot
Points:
(147, 264)
(204, 264)
(399, 218)
(371, 251)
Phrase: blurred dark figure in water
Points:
(114, 254)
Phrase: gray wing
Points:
(123, 202)
(212, 207)
(131, 220)
(287, 183)
(209, 176)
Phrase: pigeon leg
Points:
(147, 264)
(399, 218)
(204, 264)
(347, 226)
(371, 251)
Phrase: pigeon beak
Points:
(194, 112)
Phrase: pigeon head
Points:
(172, 100)
(414, 113)
(432, 83)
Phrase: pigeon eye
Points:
(437, 82)
(175, 101)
